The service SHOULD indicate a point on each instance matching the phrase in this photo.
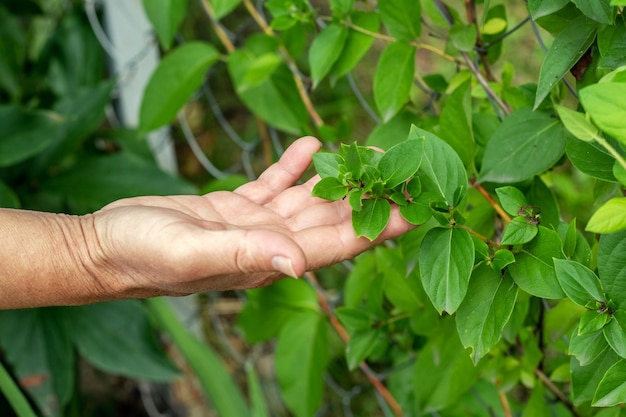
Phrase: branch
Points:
(343, 334)
(556, 391)
(470, 10)
(503, 214)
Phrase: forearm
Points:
(47, 259)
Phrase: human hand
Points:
(248, 238)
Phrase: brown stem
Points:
(470, 10)
(557, 392)
(481, 237)
(503, 214)
(485, 84)
(343, 334)
(505, 403)
(219, 30)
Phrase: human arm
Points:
(175, 245)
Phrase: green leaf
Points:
(16, 399)
(259, 70)
(533, 269)
(301, 356)
(173, 82)
(330, 189)
(259, 405)
(612, 388)
(598, 10)
(401, 161)
(455, 123)
(393, 78)
(24, 133)
(165, 16)
(540, 8)
(441, 170)
(325, 50)
(577, 124)
(402, 18)
(590, 158)
(511, 154)
(566, 49)
(37, 345)
(372, 219)
(585, 379)
(443, 370)
(519, 231)
(275, 100)
(327, 164)
(592, 321)
(536, 405)
(578, 282)
(609, 218)
(208, 367)
(341, 7)
(605, 103)
(463, 37)
(511, 199)
(611, 261)
(446, 258)
(360, 346)
(96, 181)
(485, 310)
(501, 259)
(357, 44)
(417, 211)
(352, 157)
(222, 7)
(355, 318)
(117, 337)
(615, 332)
(612, 46)
(587, 347)
(268, 309)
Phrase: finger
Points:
(283, 173)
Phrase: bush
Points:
(508, 299)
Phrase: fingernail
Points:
(284, 265)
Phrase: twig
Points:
(556, 391)
(217, 27)
(470, 10)
(479, 236)
(343, 334)
(503, 214)
(485, 84)
(505, 403)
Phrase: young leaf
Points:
(330, 188)
(417, 211)
(511, 199)
(393, 78)
(577, 124)
(612, 388)
(352, 158)
(327, 164)
(301, 356)
(587, 347)
(533, 269)
(511, 153)
(605, 103)
(176, 78)
(402, 18)
(609, 218)
(401, 162)
(485, 310)
(501, 259)
(259, 70)
(372, 219)
(446, 258)
(566, 49)
(592, 321)
(325, 50)
(518, 232)
(578, 282)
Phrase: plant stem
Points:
(343, 334)
(219, 30)
(481, 237)
(503, 214)
(14, 395)
(470, 10)
(485, 84)
(556, 391)
(505, 403)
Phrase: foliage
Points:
(508, 298)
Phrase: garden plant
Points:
(497, 128)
